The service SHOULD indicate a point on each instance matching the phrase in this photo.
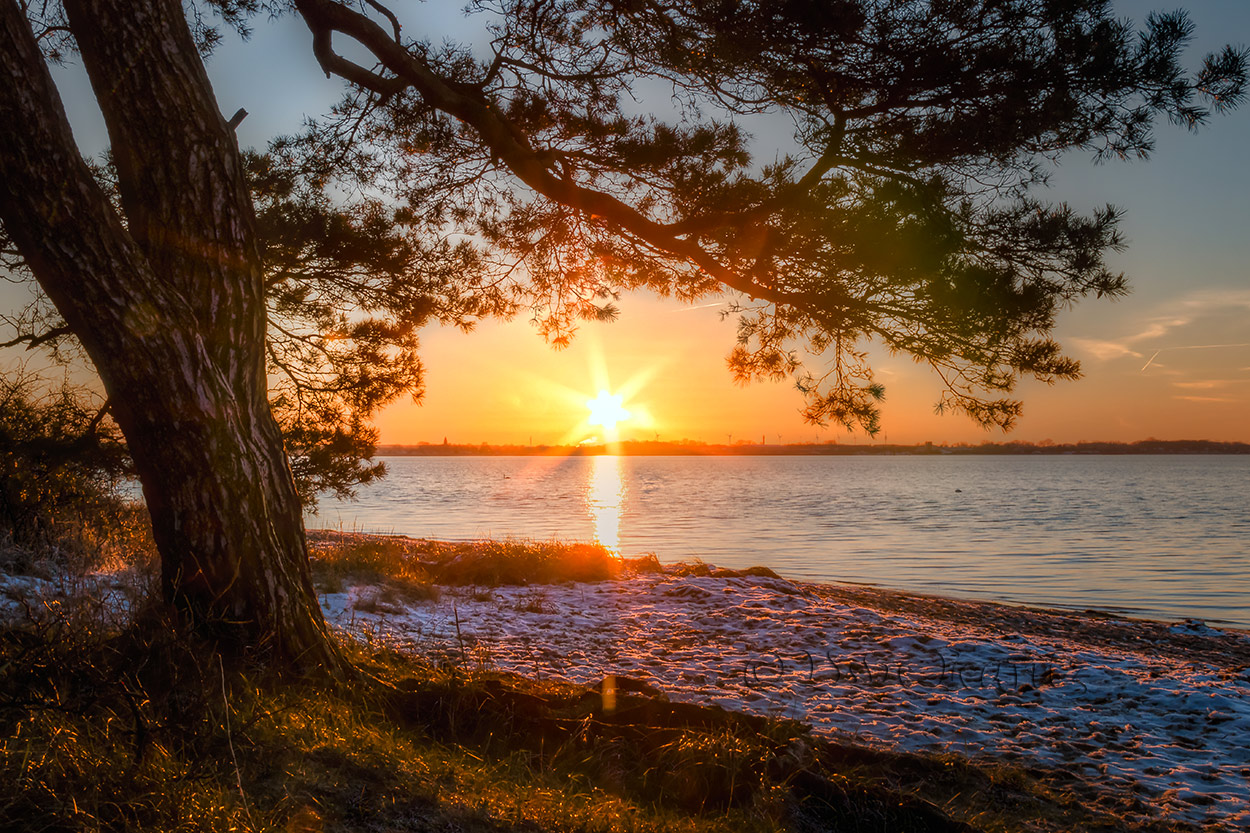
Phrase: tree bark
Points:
(169, 306)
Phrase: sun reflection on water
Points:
(605, 494)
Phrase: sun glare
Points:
(606, 410)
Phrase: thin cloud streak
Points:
(1207, 346)
(1209, 384)
(699, 306)
(1105, 350)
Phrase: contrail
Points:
(1193, 347)
(1208, 346)
(701, 306)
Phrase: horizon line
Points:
(634, 446)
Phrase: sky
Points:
(1170, 361)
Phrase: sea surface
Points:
(1162, 537)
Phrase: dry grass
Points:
(492, 563)
(488, 563)
(110, 535)
(379, 561)
(480, 563)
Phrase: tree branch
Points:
(390, 15)
(90, 430)
(471, 106)
(33, 340)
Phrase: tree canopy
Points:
(907, 210)
(226, 298)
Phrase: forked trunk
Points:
(170, 307)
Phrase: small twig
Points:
(464, 658)
(237, 119)
(238, 776)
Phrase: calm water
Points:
(1163, 537)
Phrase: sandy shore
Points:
(1151, 717)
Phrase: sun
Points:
(606, 410)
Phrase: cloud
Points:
(1183, 312)
(1209, 384)
(1217, 298)
(1104, 350)
(1210, 320)
(1157, 328)
(1225, 345)
(1206, 399)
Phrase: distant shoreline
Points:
(649, 448)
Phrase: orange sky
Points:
(502, 384)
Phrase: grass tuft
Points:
(493, 563)
(337, 557)
(109, 535)
(387, 563)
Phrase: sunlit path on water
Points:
(605, 494)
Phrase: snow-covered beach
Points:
(1151, 717)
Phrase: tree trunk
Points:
(170, 307)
